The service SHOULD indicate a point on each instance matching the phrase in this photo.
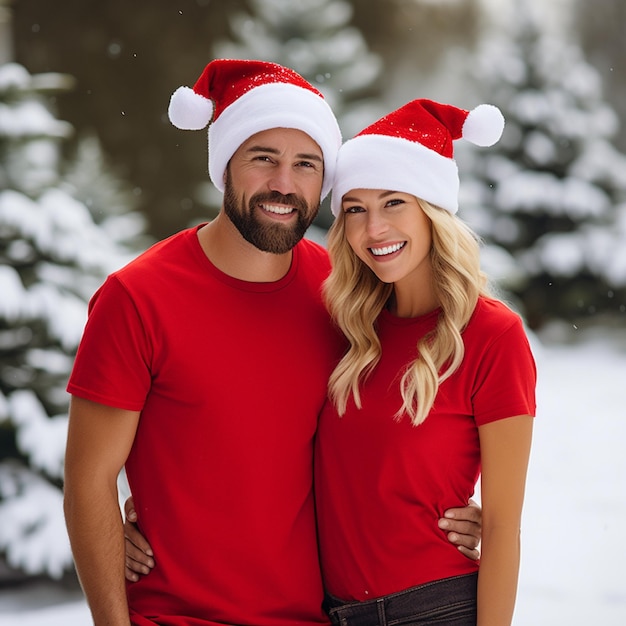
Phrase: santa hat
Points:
(410, 150)
(239, 98)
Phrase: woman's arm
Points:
(505, 450)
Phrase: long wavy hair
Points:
(355, 297)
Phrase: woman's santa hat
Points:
(238, 98)
(410, 150)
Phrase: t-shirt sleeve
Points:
(506, 378)
(112, 365)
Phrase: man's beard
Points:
(276, 238)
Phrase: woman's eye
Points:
(353, 209)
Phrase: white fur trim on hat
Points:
(396, 164)
(189, 110)
(484, 125)
(273, 105)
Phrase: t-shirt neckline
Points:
(237, 283)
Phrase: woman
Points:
(438, 381)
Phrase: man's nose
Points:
(282, 180)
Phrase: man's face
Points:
(272, 188)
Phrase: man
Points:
(203, 368)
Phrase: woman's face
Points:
(389, 232)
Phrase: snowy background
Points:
(549, 201)
(575, 510)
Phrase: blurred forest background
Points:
(91, 171)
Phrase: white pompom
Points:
(484, 125)
(189, 110)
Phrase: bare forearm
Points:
(96, 534)
(498, 576)
(99, 440)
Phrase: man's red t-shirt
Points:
(230, 378)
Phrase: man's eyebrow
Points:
(310, 157)
(303, 155)
(262, 149)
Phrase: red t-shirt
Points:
(382, 484)
(230, 378)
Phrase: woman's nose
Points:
(376, 224)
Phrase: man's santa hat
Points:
(410, 150)
(238, 98)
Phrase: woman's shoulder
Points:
(494, 315)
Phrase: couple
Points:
(205, 368)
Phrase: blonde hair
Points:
(355, 297)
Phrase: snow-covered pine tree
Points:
(112, 203)
(551, 196)
(53, 256)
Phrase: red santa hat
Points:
(410, 150)
(238, 98)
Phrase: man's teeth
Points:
(280, 210)
(387, 249)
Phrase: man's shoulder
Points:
(313, 251)
(313, 262)
(162, 252)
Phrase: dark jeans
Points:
(447, 602)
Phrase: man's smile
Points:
(277, 209)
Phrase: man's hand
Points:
(139, 557)
(464, 528)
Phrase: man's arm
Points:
(464, 528)
(99, 441)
